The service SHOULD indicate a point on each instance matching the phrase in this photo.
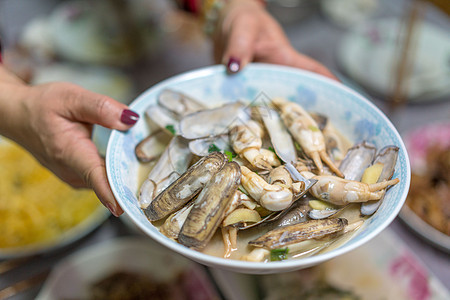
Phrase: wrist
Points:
(12, 108)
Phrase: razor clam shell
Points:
(280, 137)
(213, 122)
(178, 103)
(152, 146)
(296, 213)
(173, 224)
(185, 188)
(388, 157)
(172, 163)
(209, 207)
(357, 159)
(163, 118)
(200, 147)
(317, 214)
(287, 235)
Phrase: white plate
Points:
(72, 277)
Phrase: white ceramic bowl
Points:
(350, 112)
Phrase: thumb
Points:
(93, 108)
(239, 49)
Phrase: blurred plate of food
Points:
(427, 209)
(38, 212)
(370, 52)
(128, 268)
(384, 268)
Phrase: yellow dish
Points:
(37, 210)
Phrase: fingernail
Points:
(111, 209)
(129, 117)
(233, 65)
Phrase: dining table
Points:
(313, 34)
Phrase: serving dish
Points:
(417, 142)
(67, 236)
(74, 276)
(351, 113)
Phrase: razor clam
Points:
(152, 146)
(212, 122)
(178, 103)
(246, 140)
(302, 249)
(204, 146)
(388, 157)
(186, 187)
(291, 234)
(296, 176)
(209, 207)
(306, 132)
(163, 118)
(173, 162)
(357, 159)
(339, 191)
(280, 137)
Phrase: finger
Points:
(98, 181)
(91, 167)
(301, 61)
(240, 45)
(89, 107)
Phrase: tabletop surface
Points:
(313, 35)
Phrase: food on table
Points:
(283, 183)
(35, 206)
(133, 285)
(429, 195)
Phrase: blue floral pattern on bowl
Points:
(350, 112)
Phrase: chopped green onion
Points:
(297, 146)
(213, 148)
(313, 128)
(278, 254)
(230, 155)
(171, 128)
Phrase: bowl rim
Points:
(259, 267)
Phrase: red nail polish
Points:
(233, 65)
(111, 209)
(129, 117)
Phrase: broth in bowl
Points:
(257, 181)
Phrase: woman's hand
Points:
(246, 32)
(54, 123)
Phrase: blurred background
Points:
(395, 52)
